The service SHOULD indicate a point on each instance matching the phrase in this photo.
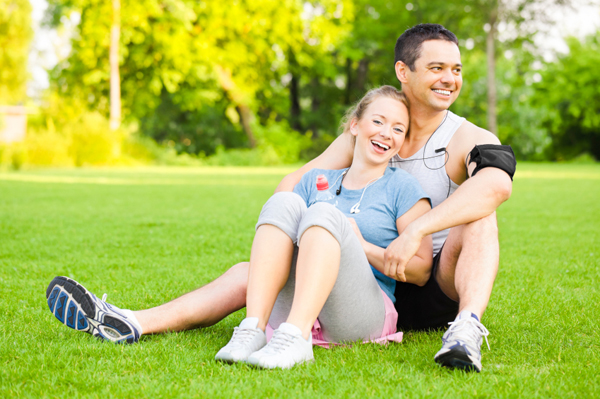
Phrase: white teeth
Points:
(385, 147)
(444, 92)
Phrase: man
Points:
(466, 184)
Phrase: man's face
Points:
(437, 78)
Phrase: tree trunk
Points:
(492, 123)
(361, 76)
(239, 100)
(348, 96)
(115, 80)
(245, 115)
(315, 104)
(295, 109)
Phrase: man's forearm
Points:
(337, 156)
(476, 198)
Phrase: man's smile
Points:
(442, 92)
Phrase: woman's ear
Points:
(354, 127)
(401, 70)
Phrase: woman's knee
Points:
(325, 216)
(283, 210)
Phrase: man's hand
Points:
(399, 253)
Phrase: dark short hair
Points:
(409, 44)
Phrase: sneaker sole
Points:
(256, 364)
(73, 306)
(457, 360)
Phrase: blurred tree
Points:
(115, 79)
(568, 94)
(198, 53)
(15, 36)
(199, 75)
(521, 19)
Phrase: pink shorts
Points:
(388, 334)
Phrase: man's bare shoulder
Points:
(467, 136)
(472, 135)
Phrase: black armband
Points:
(495, 156)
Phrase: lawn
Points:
(145, 236)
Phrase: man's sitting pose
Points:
(462, 168)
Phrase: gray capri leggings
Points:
(355, 309)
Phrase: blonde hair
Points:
(358, 110)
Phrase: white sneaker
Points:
(461, 344)
(286, 348)
(246, 339)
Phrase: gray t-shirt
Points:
(383, 202)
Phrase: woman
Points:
(316, 268)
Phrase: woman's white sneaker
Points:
(286, 349)
(246, 339)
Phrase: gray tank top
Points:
(427, 166)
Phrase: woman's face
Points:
(381, 131)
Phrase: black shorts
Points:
(423, 308)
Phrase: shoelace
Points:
(461, 327)
(111, 307)
(243, 335)
(280, 341)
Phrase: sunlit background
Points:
(266, 82)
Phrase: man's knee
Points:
(483, 229)
(237, 276)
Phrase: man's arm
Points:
(337, 156)
(418, 269)
(478, 197)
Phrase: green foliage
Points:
(519, 122)
(278, 144)
(568, 94)
(147, 236)
(84, 140)
(183, 57)
(195, 75)
(198, 132)
(15, 36)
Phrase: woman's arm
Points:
(418, 269)
(337, 156)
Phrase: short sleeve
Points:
(408, 192)
(304, 186)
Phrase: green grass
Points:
(145, 236)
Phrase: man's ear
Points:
(401, 71)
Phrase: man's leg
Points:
(466, 273)
(202, 307)
(76, 307)
(469, 264)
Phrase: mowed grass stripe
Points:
(144, 244)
